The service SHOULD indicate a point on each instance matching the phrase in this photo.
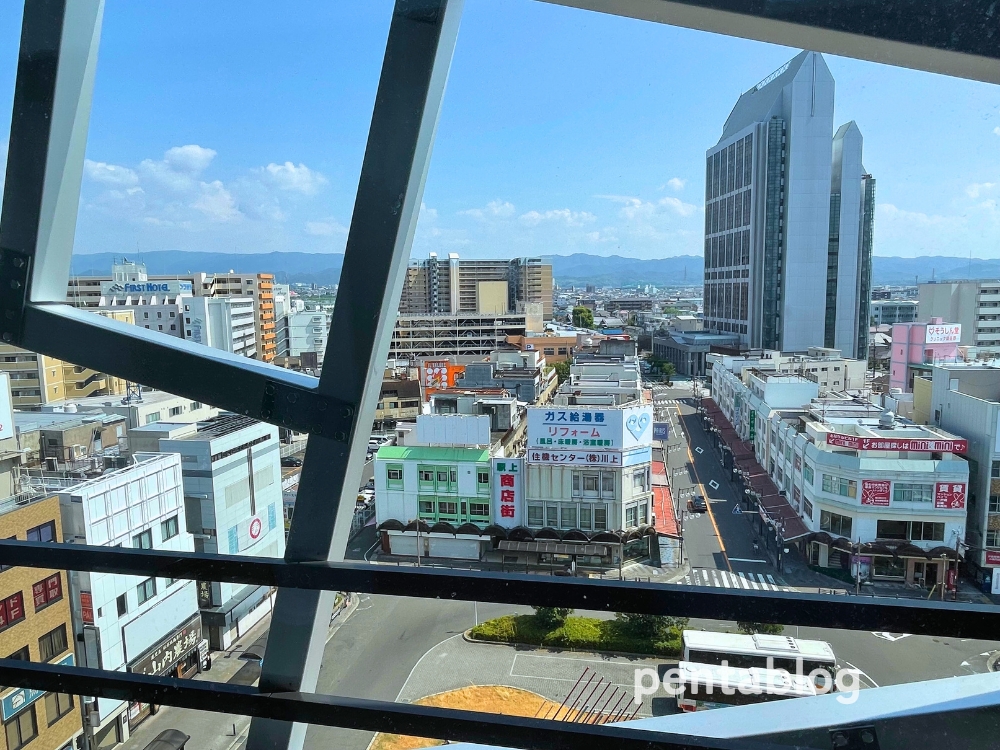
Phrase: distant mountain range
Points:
(578, 269)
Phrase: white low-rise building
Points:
(131, 623)
(853, 474)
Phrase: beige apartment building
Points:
(36, 625)
(458, 285)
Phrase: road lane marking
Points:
(747, 559)
(718, 536)
(862, 673)
(770, 580)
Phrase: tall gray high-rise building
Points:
(788, 218)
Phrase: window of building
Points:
(479, 509)
(52, 644)
(122, 602)
(915, 493)
(840, 486)
(631, 517)
(568, 513)
(146, 590)
(143, 540)
(585, 517)
(169, 528)
(807, 509)
(447, 508)
(195, 405)
(175, 410)
(46, 532)
(22, 729)
(535, 515)
(394, 476)
(891, 529)
(590, 482)
(807, 473)
(993, 538)
(889, 567)
(152, 417)
(426, 475)
(57, 705)
(600, 517)
(994, 503)
(552, 515)
(483, 478)
(577, 479)
(835, 523)
(47, 591)
(11, 610)
(926, 531)
(426, 508)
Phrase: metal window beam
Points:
(418, 54)
(246, 386)
(354, 713)
(952, 37)
(916, 616)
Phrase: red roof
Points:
(663, 509)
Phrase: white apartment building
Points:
(789, 218)
(308, 331)
(588, 467)
(965, 400)
(131, 623)
(232, 491)
(826, 367)
(853, 474)
(975, 305)
(226, 323)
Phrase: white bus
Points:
(754, 651)
(703, 686)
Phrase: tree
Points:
(767, 628)
(552, 617)
(562, 370)
(653, 627)
(668, 370)
(582, 317)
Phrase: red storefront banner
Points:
(896, 444)
(875, 492)
(992, 558)
(949, 495)
(87, 607)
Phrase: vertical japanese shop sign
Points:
(508, 493)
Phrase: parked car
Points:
(289, 461)
(698, 504)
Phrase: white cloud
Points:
(328, 227)
(299, 179)
(216, 202)
(676, 184)
(560, 215)
(190, 159)
(110, 174)
(634, 208)
(978, 188)
(493, 210)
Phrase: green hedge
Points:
(584, 633)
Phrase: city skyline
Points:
(575, 144)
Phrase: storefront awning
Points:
(558, 548)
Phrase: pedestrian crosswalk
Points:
(724, 579)
(666, 401)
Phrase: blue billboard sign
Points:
(14, 702)
(661, 430)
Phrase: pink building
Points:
(917, 346)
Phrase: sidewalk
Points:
(208, 731)
(215, 731)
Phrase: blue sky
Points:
(241, 126)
